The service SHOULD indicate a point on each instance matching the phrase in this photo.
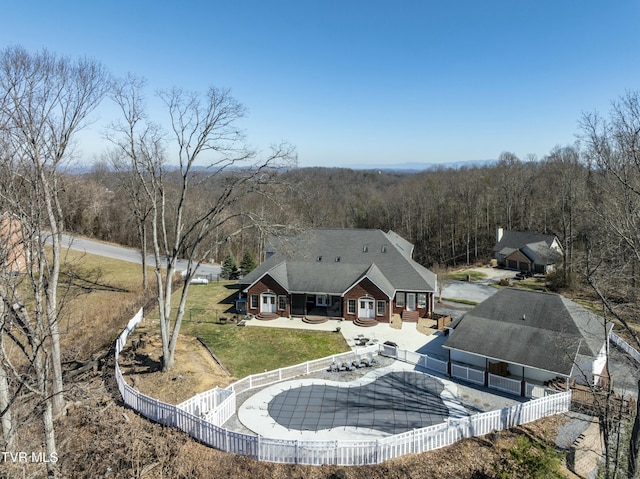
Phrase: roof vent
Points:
(524, 317)
(384, 248)
(319, 258)
(365, 248)
(337, 258)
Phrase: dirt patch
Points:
(396, 322)
(427, 326)
(194, 370)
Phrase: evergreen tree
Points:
(229, 268)
(248, 263)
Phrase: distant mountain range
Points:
(408, 167)
(416, 166)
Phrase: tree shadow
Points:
(230, 300)
(143, 364)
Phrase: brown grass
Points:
(195, 370)
(427, 326)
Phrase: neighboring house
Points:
(530, 337)
(364, 276)
(12, 249)
(530, 252)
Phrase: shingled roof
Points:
(540, 330)
(518, 239)
(330, 261)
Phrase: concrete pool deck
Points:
(255, 415)
(407, 337)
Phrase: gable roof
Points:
(530, 328)
(513, 240)
(330, 261)
(542, 252)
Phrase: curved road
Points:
(127, 254)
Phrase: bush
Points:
(529, 460)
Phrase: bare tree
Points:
(137, 140)
(612, 147)
(188, 204)
(44, 101)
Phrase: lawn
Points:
(462, 275)
(249, 350)
(252, 350)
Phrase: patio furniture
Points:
(370, 359)
(357, 362)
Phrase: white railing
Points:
(467, 373)
(626, 347)
(215, 406)
(411, 357)
(504, 384)
(536, 390)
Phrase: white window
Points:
(382, 307)
(323, 300)
(400, 300)
(282, 303)
(351, 306)
(422, 300)
(254, 301)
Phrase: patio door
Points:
(365, 308)
(411, 301)
(268, 304)
(323, 300)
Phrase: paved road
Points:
(127, 254)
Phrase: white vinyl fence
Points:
(626, 347)
(203, 415)
(467, 373)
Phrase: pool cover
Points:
(394, 403)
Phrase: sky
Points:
(360, 83)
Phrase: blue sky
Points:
(363, 82)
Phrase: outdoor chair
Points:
(370, 359)
(357, 362)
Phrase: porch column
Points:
(486, 372)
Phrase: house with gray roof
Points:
(528, 252)
(530, 337)
(365, 276)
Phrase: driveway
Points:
(476, 291)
